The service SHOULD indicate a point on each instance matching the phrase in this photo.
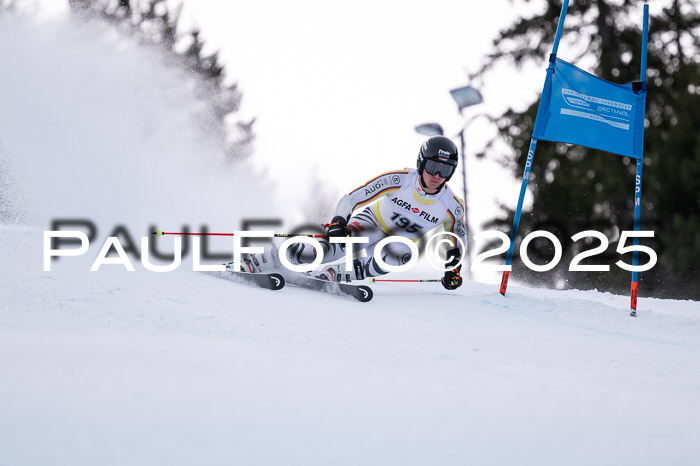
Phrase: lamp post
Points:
(464, 97)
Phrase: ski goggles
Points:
(438, 167)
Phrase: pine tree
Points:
(157, 24)
(577, 188)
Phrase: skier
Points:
(406, 203)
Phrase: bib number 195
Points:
(403, 222)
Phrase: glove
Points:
(337, 227)
(452, 279)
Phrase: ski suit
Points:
(393, 203)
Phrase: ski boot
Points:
(254, 263)
(338, 273)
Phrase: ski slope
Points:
(142, 368)
(116, 367)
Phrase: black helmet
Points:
(438, 155)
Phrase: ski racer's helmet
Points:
(438, 155)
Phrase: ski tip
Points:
(365, 294)
(277, 281)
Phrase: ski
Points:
(269, 281)
(362, 293)
(277, 280)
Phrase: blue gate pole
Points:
(638, 176)
(531, 151)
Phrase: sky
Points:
(337, 90)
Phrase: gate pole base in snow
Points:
(504, 282)
(634, 300)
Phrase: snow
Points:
(180, 368)
(117, 367)
(93, 126)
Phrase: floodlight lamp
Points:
(466, 97)
(430, 129)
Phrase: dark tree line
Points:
(577, 188)
(155, 23)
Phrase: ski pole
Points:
(289, 235)
(276, 235)
(432, 280)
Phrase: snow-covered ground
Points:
(142, 368)
(113, 367)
